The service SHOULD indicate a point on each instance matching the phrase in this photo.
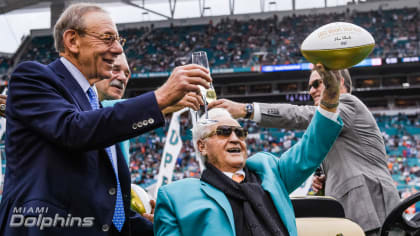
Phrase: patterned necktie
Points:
(237, 178)
(119, 215)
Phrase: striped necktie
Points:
(119, 215)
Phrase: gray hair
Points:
(72, 18)
(347, 79)
(201, 129)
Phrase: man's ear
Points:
(342, 87)
(71, 41)
(201, 147)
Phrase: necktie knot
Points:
(237, 177)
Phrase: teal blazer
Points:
(124, 145)
(192, 207)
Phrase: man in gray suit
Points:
(356, 172)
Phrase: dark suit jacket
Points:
(56, 162)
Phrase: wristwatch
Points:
(249, 108)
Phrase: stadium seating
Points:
(232, 43)
(5, 64)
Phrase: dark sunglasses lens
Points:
(314, 84)
(227, 131)
(240, 132)
(224, 130)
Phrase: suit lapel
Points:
(221, 199)
(81, 101)
(76, 91)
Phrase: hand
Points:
(183, 79)
(331, 93)
(152, 214)
(318, 183)
(236, 109)
(191, 100)
(3, 103)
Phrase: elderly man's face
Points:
(110, 89)
(316, 86)
(97, 54)
(227, 153)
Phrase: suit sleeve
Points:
(43, 105)
(347, 109)
(301, 160)
(140, 225)
(284, 115)
(165, 222)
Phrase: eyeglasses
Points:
(108, 39)
(315, 84)
(226, 131)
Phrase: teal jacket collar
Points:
(221, 199)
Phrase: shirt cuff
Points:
(330, 115)
(257, 113)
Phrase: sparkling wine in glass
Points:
(209, 95)
(200, 58)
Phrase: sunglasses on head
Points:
(315, 84)
(226, 131)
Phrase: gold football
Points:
(140, 200)
(338, 45)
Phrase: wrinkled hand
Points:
(191, 100)
(2, 102)
(236, 109)
(331, 93)
(152, 214)
(318, 183)
(183, 79)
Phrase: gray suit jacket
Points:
(356, 166)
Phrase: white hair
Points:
(201, 128)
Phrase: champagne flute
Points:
(209, 95)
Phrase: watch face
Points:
(249, 108)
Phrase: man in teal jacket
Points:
(222, 202)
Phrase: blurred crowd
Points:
(402, 139)
(5, 63)
(233, 43)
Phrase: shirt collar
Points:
(230, 174)
(77, 75)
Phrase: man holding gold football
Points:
(356, 172)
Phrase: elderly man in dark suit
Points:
(356, 172)
(64, 175)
